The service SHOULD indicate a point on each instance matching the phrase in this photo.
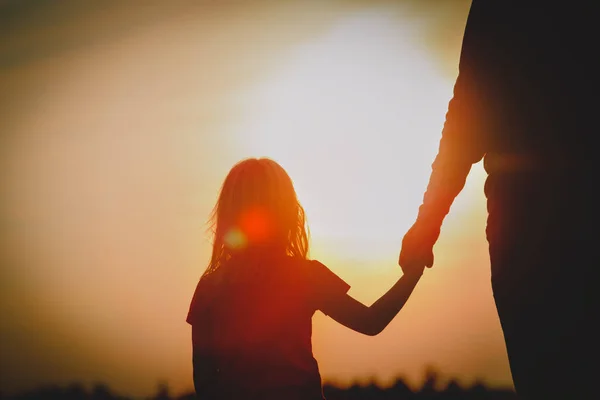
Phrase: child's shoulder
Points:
(303, 263)
(318, 275)
(310, 267)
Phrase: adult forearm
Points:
(448, 177)
(462, 144)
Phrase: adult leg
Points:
(547, 325)
(542, 283)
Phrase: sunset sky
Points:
(118, 123)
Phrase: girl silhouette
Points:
(251, 313)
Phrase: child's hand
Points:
(417, 250)
(413, 269)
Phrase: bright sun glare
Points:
(355, 117)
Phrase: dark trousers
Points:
(543, 253)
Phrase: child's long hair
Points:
(257, 207)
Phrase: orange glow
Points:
(113, 150)
(255, 224)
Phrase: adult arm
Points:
(462, 144)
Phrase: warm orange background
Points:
(118, 123)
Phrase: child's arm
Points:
(204, 366)
(205, 375)
(372, 320)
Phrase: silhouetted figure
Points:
(251, 313)
(525, 101)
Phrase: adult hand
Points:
(417, 248)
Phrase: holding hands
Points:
(417, 248)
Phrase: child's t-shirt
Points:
(253, 318)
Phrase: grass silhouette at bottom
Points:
(429, 390)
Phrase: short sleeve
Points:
(200, 300)
(325, 284)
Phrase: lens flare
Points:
(235, 239)
(256, 225)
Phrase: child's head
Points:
(257, 207)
